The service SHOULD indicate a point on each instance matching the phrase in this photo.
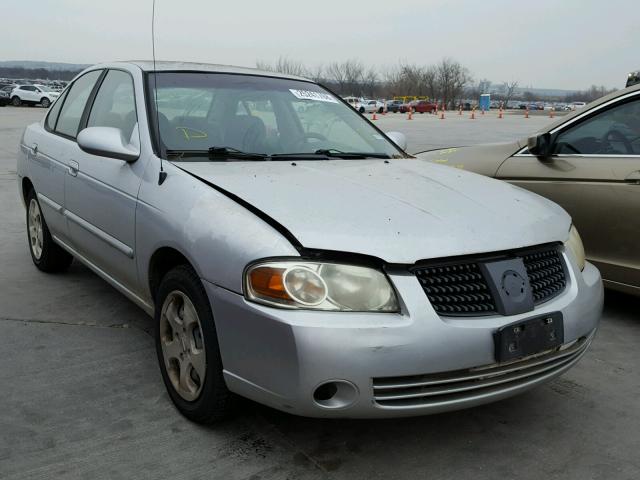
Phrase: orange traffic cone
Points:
(373, 117)
(500, 114)
(410, 115)
(551, 115)
(442, 113)
(526, 112)
(473, 114)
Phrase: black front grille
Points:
(458, 288)
(546, 274)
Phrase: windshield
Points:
(254, 114)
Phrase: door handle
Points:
(73, 168)
(34, 149)
(633, 177)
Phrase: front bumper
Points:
(390, 365)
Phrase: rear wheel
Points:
(45, 253)
(187, 348)
(45, 102)
(15, 101)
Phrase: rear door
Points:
(101, 194)
(595, 175)
(49, 152)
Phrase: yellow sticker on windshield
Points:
(190, 133)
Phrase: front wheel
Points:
(187, 348)
(45, 102)
(16, 102)
(45, 253)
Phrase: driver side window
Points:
(615, 131)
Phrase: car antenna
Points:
(163, 175)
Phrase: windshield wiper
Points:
(235, 154)
(230, 153)
(218, 153)
(333, 153)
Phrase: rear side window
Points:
(54, 111)
(115, 104)
(71, 112)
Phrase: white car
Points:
(577, 105)
(370, 106)
(356, 102)
(33, 95)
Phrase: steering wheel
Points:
(617, 136)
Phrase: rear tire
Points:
(16, 102)
(47, 255)
(45, 102)
(187, 348)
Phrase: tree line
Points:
(444, 81)
(37, 73)
(447, 81)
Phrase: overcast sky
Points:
(543, 43)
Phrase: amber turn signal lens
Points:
(268, 282)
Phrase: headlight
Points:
(574, 244)
(320, 286)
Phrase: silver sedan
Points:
(292, 253)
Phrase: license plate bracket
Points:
(528, 337)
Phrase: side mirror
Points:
(107, 142)
(540, 145)
(399, 139)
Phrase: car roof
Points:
(166, 66)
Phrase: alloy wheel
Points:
(36, 235)
(182, 344)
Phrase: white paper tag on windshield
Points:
(309, 95)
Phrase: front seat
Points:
(246, 133)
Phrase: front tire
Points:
(45, 102)
(16, 102)
(187, 348)
(45, 253)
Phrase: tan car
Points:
(589, 163)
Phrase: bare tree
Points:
(509, 90)
(354, 71)
(370, 81)
(285, 66)
(452, 78)
(317, 74)
(430, 81)
(336, 74)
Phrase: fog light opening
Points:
(335, 394)
(325, 392)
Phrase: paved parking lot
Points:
(81, 395)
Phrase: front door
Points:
(101, 193)
(594, 174)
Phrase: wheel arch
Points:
(161, 262)
(26, 186)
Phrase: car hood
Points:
(483, 159)
(400, 211)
